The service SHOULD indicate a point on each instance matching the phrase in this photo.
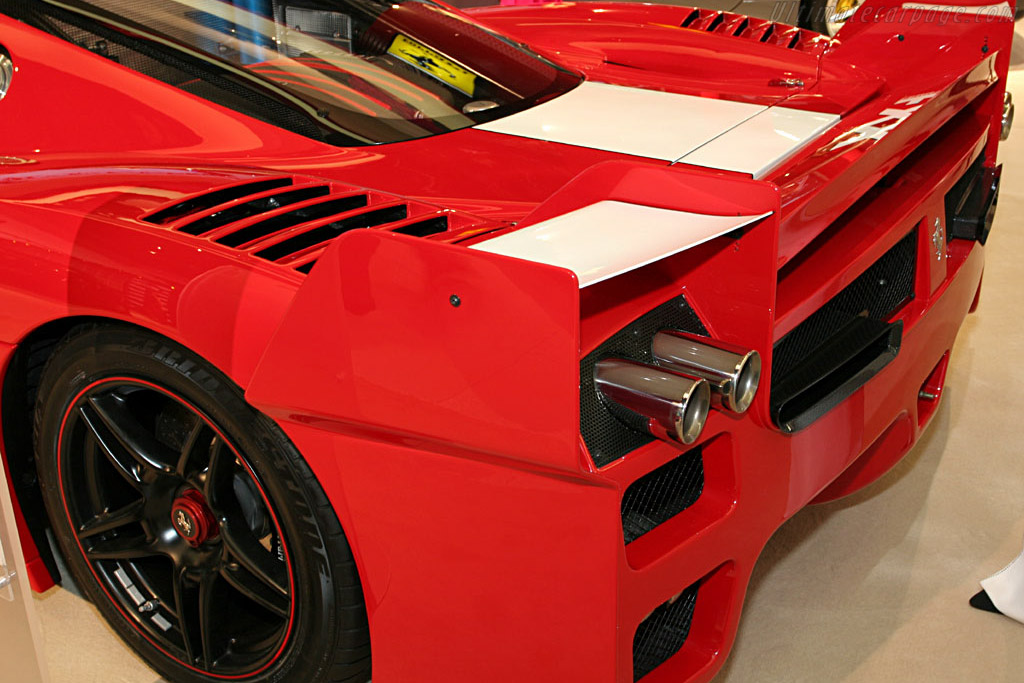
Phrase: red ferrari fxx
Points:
(495, 343)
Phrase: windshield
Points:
(348, 72)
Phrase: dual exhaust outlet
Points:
(675, 396)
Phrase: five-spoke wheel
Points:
(190, 519)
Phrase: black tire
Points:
(252, 579)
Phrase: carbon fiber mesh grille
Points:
(662, 494)
(876, 294)
(608, 438)
(663, 634)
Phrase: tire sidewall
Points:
(101, 354)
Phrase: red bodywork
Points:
(489, 545)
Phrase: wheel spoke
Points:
(92, 485)
(184, 595)
(256, 573)
(207, 610)
(127, 444)
(255, 590)
(122, 549)
(127, 467)
(192, 442)
(196, 612)
(220, 471)
(109, 520)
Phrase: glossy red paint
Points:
(447, 436)
(645, 45)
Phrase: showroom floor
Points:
(872, 588)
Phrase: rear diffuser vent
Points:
(761, 30)
(663, 633)
(291, 221)
(660, 495)
(844, 343)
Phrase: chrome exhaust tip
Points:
(675, 406)
(733, 374)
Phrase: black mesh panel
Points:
(608, 438)
(662, 494)
(663, 634)
(872, 298)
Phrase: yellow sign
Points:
(433, 63)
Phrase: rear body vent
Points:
(662, 634)
(847, 341)
(761, 30)
(290, 221)
(662, 494)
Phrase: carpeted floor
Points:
(872, 588)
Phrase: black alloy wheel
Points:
(190, 520)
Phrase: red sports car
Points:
(495, 343)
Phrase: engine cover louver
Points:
(290, 221)
(761, 30)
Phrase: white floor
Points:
(872, 588)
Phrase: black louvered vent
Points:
(663, 633)
(607, 437)
(662, 494)
(209, 200)
(254, 207)
(324, 233)
(845, 342)
(761, 30)
(291, 218)
(291, 222)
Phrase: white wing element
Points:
(609, 238)
(703, 131)
(646, 123)
(762, 142)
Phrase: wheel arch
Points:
(19, 387)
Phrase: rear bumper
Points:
(757, 478)
(477, 569)
(489, 545)
(479, 566)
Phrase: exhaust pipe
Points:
(733, 374)
(674, 406)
